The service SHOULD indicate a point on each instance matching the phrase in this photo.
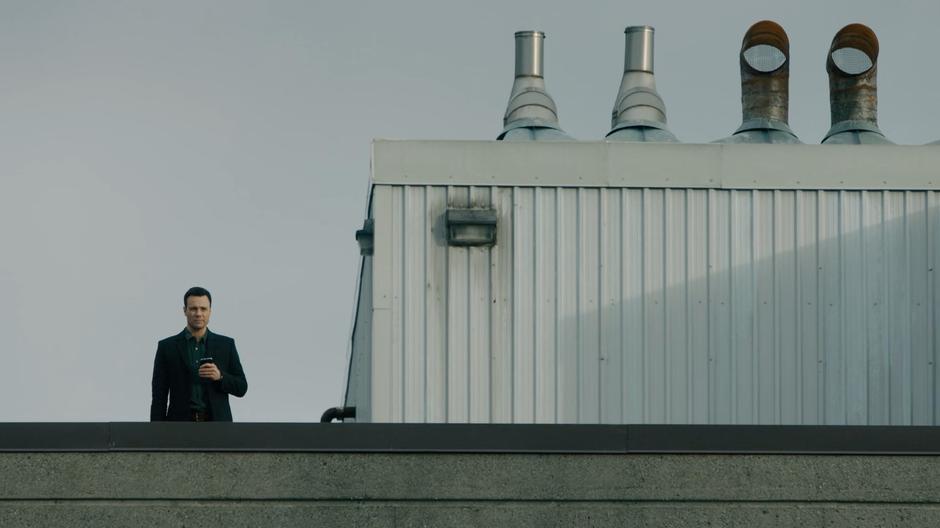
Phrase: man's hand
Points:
(210, 371)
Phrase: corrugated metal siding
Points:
(359, 376)
(624, 305)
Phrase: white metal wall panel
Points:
(524, 272)
(588, 318)
(652, 299)
(359, 377)
(458, 324)
(436, 282)
(785, 295)
(807, 216)
(567, 308)
(677, 361)
(921, 346)
(503, 327)
(611, 335)
(634, 382)
(546, 349)
(638, 305)
(480, 297)
(697, 307)
(414, 300)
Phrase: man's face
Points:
(197, 312)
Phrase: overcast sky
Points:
(146, 147)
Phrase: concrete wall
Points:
(176, 489)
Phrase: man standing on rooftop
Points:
(196, 368)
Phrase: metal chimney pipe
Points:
(765, 72)
(765, 86)
(639, 112)
(638, 51)
(852, 64)
(530, 46)
(531, 113)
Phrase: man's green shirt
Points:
(195, 349)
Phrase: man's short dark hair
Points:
(197, 291)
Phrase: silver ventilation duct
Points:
(531, 113)
(639, 112)
(852, 64)
(765, 86)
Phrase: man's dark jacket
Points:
(171, 376)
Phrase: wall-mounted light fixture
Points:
(470, 227)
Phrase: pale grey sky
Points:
(151, 146)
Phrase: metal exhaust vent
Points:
(639, 112)
(765, 86)
(531, 112)
(852, 64)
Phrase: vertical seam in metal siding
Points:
(489, 319)
(731, 356)
(556, 296)
(863, 195)
(774, 292)
(465, 256)
(932, 198)
(690, 409)
(843, 349)
(445, 383)
(447, 389)
(663, 310)
(798, 319)
(864, 294)
(402, 310)
(664, 296)
(709, 397)
(886, 335)
(643, 319)
(710, 363)
(621, 201)
(909, 374)
(820, 317)
(755, 311)
(928, 195)
(602, 251)
(511, 376)
(733, 363)
(424, 288)
(536, 320)
(579, 320)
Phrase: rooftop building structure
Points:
(753, 281)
